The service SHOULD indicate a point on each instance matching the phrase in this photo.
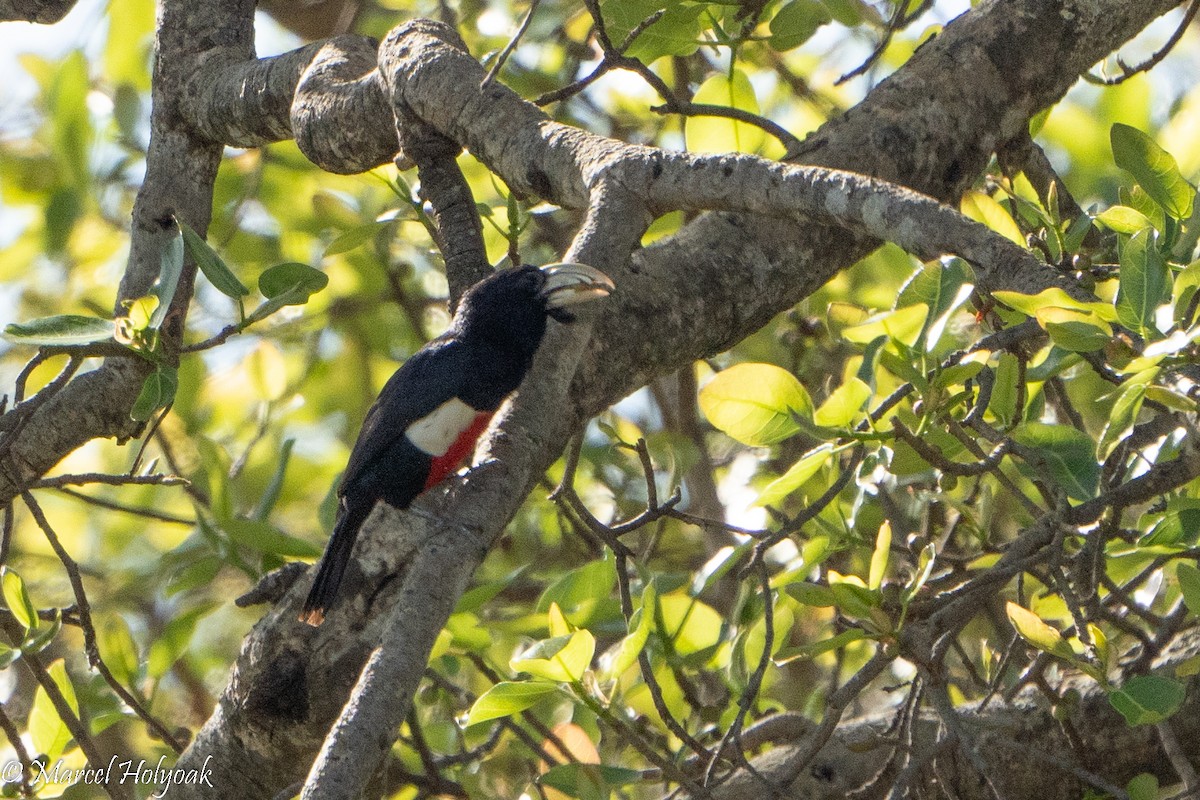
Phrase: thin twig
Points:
(510, 47)
(139, 511)
(1128, 72)
(18, 746)
(91, 644)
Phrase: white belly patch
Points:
(436, 431)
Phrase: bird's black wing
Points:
(434, 375)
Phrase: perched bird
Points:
(431, 411)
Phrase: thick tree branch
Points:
(45, 12)
(695, 294)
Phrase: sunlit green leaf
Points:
(508, 698)
(796, 476)
(1154, 169)
(1124, 219)
(632, 644)
(844, 405)
(1033, 630)
(1077, 331)
(690, 625)
(48, 733)
(983, 208)
(559, 658)
(880, 556)
(757, 404)
(16, 598)
(713, 134)
(904, 325)
(1143, 285)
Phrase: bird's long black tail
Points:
(333, 565)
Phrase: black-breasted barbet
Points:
(430, 413)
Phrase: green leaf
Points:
(1143, 285)
(560, 658)
(1003, 403)
(796, 476)
(1122, 416)
(1147, 699)
(592, 582)
(296, 281)
(64, 329)
(690, 625)
(270, 495)
(1154, 169)
(903, 325)
(796, 22)
(47, 731)
(1031, 304)
(810, 651)
(170, 645)
(1076, 331)
(632, 644)
(1069, 456)
(938, 284)
(710, 134)
(677, 32)
(924, 569)
(844, 405)
(852, 598)
(1143, 786)
(17, 599)
(587, 781)
(848, 12)
(169, 269)
(1187, 283)
(474, 598)
(985, 209)
(1189, 584)
(140, 311)
(1032, 629)
(957, 374)
(757, 404)
(811, 594)
(158, 390)
(118, 649)
(265, 538)
(211, 264)
(1124, 219)
(42, 637)
(880, 556)
(506, 699)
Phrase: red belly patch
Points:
(443, 465)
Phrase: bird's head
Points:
(511, 306)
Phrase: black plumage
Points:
(430, 412)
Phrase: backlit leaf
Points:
(1154, 169)
(757, 404)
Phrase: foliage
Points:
(874, 450)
